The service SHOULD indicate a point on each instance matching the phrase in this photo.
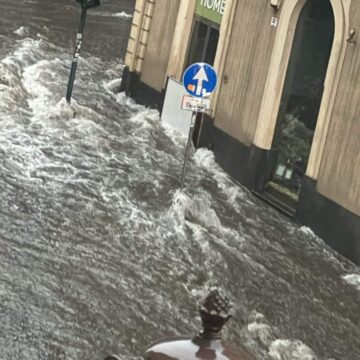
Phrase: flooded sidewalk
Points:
(101, 253)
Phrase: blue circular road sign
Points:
(200, 80)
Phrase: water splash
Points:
(121, 14)
(353, 279)
(22, 31)
(290, 350)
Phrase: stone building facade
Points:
(285, 116)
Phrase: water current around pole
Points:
(99, 251)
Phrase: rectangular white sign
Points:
(191, 103)
(172, 115)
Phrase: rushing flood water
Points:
(99, 251)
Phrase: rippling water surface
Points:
(99, 250)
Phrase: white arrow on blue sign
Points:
(200, 80)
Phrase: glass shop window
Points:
(204, 42)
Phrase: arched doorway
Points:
(300, 102)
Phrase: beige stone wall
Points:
(245, 71)
(139, 33)
(154, 67)
(181, 39)
(339, 176)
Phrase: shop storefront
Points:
(284, 117)
(300, 102)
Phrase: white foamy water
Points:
(353, 280)
(22, 31)
(121, 14)
(100, 252)
(290, 350)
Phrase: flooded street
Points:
(101, 253)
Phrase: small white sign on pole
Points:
(191, 103)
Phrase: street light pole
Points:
(85, 5)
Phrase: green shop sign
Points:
(211, 9)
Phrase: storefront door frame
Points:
(276, 78)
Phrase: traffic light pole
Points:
(79, 38)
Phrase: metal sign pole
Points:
(79, 38)
(188, 146)
(199, 81)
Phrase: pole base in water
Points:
(187, 152)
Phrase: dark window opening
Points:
(301, 100)
(204, 42)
